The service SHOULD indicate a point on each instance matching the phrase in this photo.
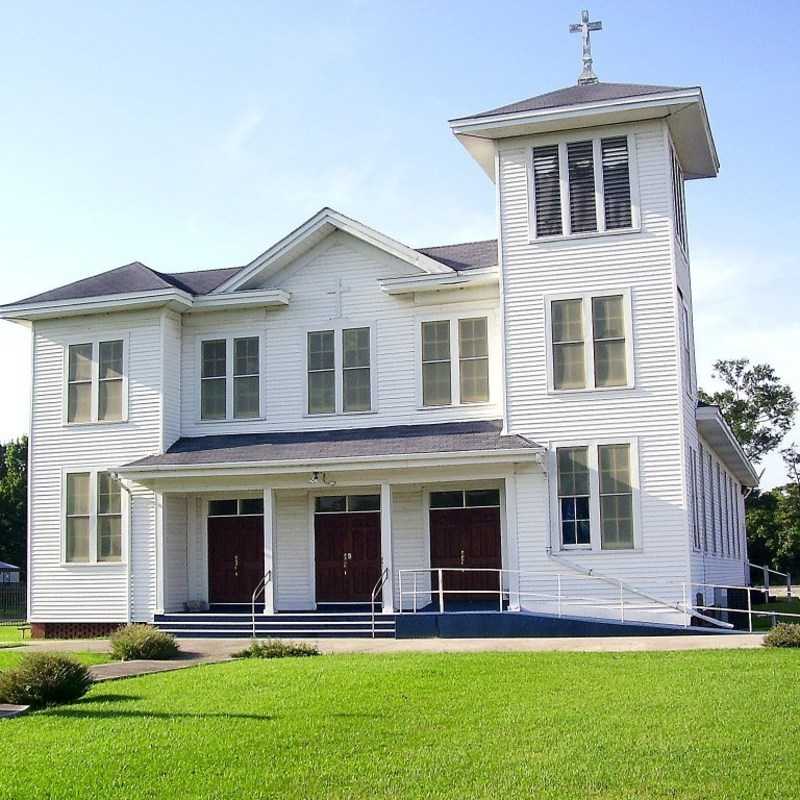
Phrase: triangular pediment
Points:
(313, 232)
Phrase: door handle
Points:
(236, 565)
(462, 558)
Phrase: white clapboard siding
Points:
(176, 551)
(642, 263)
(294, 567)
(171, 359)
(409, 543)
(86, 593)
(395, 320)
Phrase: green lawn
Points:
(11, 657)
(552, 725)
(9, 635)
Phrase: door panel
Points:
(469, 538)
(235, 558)
(348, 556)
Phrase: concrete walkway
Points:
(196, 651)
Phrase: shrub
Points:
(275, 648)
(44, 679)
(142, 641)
(783, 634)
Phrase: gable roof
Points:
(313, 231)
(137, 278)
(575, 95)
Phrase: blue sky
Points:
(193, 135)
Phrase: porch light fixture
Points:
(319, 479)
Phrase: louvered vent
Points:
(547, 185)
(616, 182)
(582, 209)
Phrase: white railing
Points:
(558, 593)
(713, 587)
(375, 589)
(607, 597)
(767, 571)
(261, 588)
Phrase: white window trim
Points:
(588, 339)
(124, 517)
(685, 334)
(338, 326)
(94, 340)
(562, 140)
(229, 336)
(455, 361)
(595, 545)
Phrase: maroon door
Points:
(348, 556)
(469, 538)
(235, 558)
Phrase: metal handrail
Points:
(375, 589)
(260, 587)
(559, 598)
(765, 571)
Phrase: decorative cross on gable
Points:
(584, 28)
(338, 291)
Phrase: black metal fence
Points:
(13, 602)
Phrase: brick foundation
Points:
(72, 630)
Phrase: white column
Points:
(269, 549)
(160, 554)
(386, 547)
(512, 541)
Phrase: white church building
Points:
(353, 436)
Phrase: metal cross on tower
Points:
(584, 27)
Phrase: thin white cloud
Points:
(242, 131)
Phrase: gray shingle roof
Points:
(450, 437)
(470, 255)
(575, 95)
(134, 277)
(138, 277)
(4, 565)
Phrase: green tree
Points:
(756, 404)
(14, 501)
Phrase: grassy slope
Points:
(557, 725)
(9, 633)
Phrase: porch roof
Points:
(354, 444)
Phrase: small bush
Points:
(275, 648)
(142, 641)
(44, 679)
(783, 634)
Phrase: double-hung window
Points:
(582, 187)
(230, 378)
(599, 362)
(455, 361)
(92, 518)
(574, 495)
(339, 371)
(595, 496)
(96, 381)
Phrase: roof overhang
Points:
(174, 299)
(311, 233)
(146, 474)
(484, 276)
(711, 425)
(684, 111)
